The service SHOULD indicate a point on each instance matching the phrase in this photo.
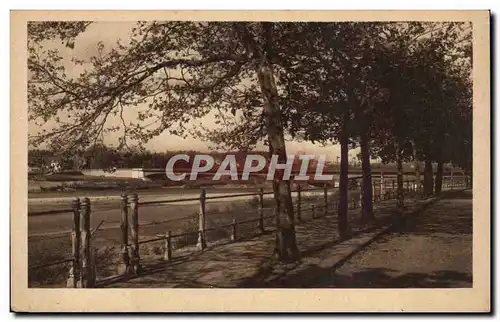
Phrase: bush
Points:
(218, 234)
(71, 172)
(254, 201)
(190, 225)
(53, 275)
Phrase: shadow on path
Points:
(430, 249)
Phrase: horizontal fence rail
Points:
(50, 212)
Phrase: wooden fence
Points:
(82, 272)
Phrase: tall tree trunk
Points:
(439, 178)
(367, 202)
(343, 184)
(286, 245)
(438, 184)
(428, 178)
(400, 188)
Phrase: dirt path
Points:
(433, 249)
(249, 263)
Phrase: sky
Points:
(109, 33)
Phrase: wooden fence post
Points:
(85, 275)
(382, 186)
(421, 190)
(393, 192)
(261, 210)
(201, 244)
(313, 208)
(374, 193)
(168, 246)
(451, 177)
(233, 230)
(361, 195)
(325, 196)
(93, 268)
(299, 203)
(74, 272)
(134, 233)
(124, 268)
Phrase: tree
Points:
(414, 67)
(319, 96)
(171, 72)
(444, 92)
(382, 86)
(365, 93)
(39, 158)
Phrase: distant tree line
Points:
(102, 157)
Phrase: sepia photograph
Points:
(261, 154)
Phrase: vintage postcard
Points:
(250, 161)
